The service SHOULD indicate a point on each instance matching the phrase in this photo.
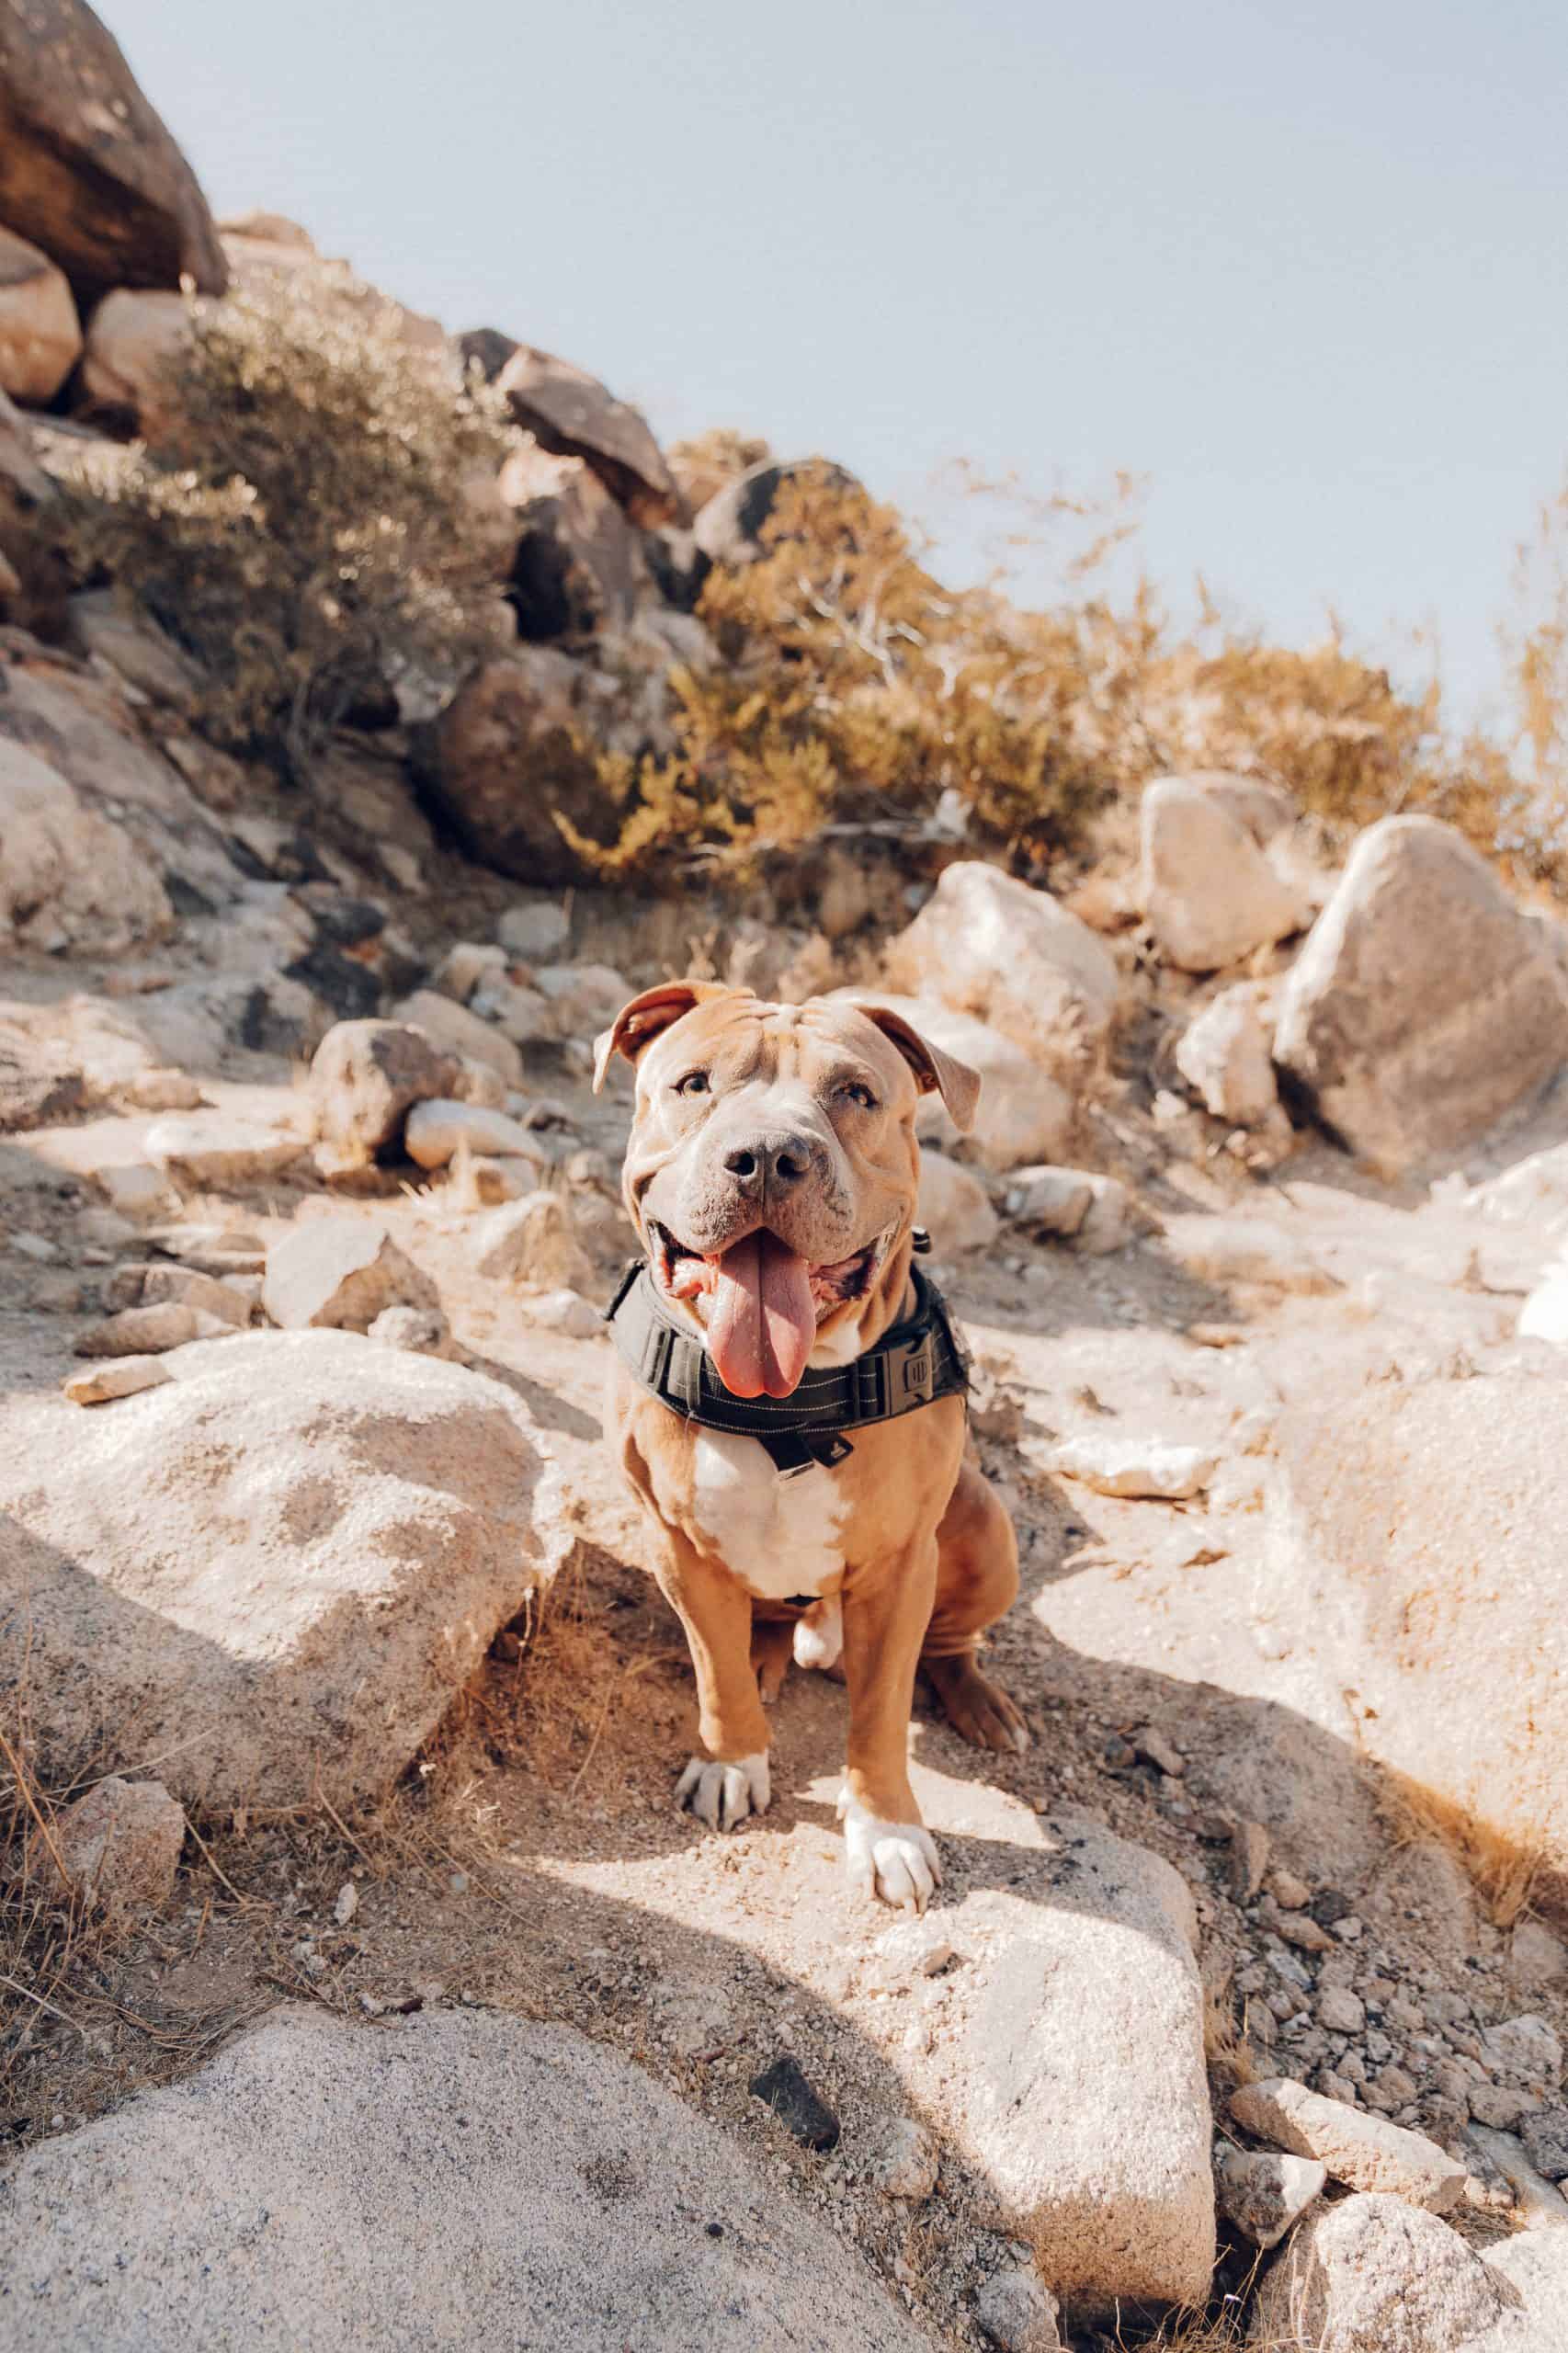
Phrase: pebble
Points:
(347, 1903)
(1263, 2194)
(1545, 2136)
(1499, 2105)
(1249, 1858)
(120, 1376)
(1341, 2011)
(1292, 1894)
(1149, 1468)
(903, 2163)
(36, 1246)
(797, 2105)
(1018, 2313)
(1150, 1742)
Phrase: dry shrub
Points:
(855, 689)
(307, 529)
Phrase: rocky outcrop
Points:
(1209, 893)
(571, 414)
(481, 2167)
(1415, 1528)
(40, 337)
(69, 877)
(1425, 1004)
(274, 1571)
(987, 945)
(87, 170)
(579, 564)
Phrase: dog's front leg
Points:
(887, 1848)
(731, 1780)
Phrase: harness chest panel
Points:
(915, 1362)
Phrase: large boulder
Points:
(579, 563)
(1022, 1116)
(39, 336)
(69, 879)
(273, 1573)
(510, 750)
(1069, 2062)
(1209, 892)
(1413, 1530)
(1425, 1004)
(454, 2178)
(366, 1076)
(1373, 2275)
(987, 945)
(571, 414)
(135, 341)
(87, 170)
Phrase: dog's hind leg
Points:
(977, 1581)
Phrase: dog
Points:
(772, 1175)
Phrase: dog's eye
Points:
(856, 1092)
(694, 1083)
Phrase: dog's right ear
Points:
(647, 1017)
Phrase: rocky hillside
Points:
(359, 1984)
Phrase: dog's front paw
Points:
(896, 1860)
(720, 1795)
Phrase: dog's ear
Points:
(936, 1073)
(648, 1016)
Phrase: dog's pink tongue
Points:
(763, 1319)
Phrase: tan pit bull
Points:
(772, 1175)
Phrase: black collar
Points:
(913, 1364)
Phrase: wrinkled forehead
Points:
(817, 1043)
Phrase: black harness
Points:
(912, 1365)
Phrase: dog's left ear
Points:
(935, 1071)
(647, 1017)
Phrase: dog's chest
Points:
(780, 1537)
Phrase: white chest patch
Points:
(780, 1537)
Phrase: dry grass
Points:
(1510, 1874)
(1225, 2046)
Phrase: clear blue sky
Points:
(1303, 266)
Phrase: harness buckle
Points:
(910, 1374)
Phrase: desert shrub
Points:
(855, 689)
(309, 527)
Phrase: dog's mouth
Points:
(760, 1302)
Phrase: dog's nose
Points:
(770, 1163)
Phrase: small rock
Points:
(463, 967)
(903, 2163)
(1500, 2105)
(1263, 2194)
(797, 2106)
(954, 1206)
(1545, 2136)
(217, 1148)
(567, 1311)
(1249, 1858)
(1245, 1250)
(135, 1189)
(1298, 1928)
(1292, 1894)
(1341, 2011)
(1148, 1468)
(347, 1903)
(1527, 2047)
(365, 1078)
(494, 1182)
(121, 1843)
(530, 1241)
(436, 1132)
(1150, 1742)
(1364, 2152)
(151, 1286)
(534, 932)
(424, 1330)
(164, 1090)
(1016, 2312)
(1536, 1956)
(120, 1376)
(147, 1331)
(335, 1273)
(1517, 2186)
(452, 1028)
(1370, 2274)
(1048, 1201)
(36, 1246)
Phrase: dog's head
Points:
(773, 1168)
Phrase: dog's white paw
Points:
(896, 1860)
(819, 1635)
(720, 1795)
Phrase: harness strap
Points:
(915, 1362)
